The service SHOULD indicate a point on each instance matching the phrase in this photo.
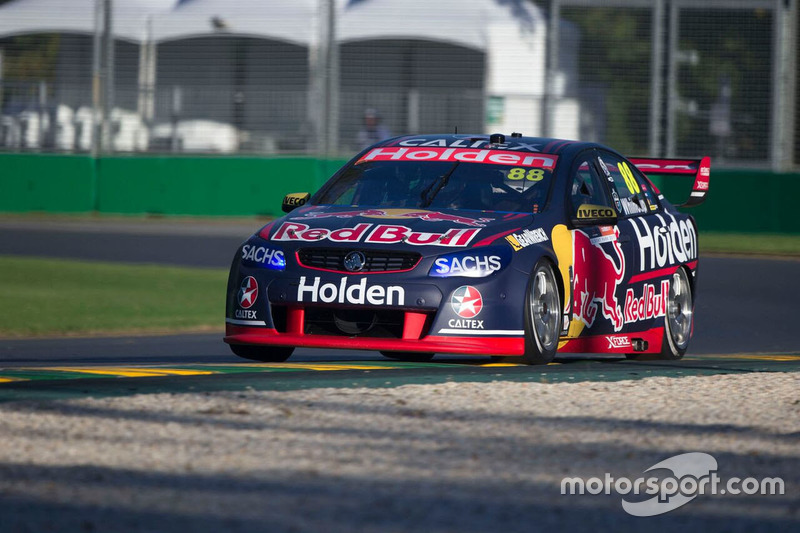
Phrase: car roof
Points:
(544, 145)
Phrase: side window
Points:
(632, 194)
(650, 195)
(587, 187)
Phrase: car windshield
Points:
(442, 185)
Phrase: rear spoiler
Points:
(699, 168)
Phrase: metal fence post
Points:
(657, 77)
(672, 78)
(551, 68)
(325, 85)
(175, 117)
(97, 86)
(147, 79)
(412, 120)
(1, 79)
(108, 79)
(102, 77)
(332, 89)
(42, 113)
(783, 85)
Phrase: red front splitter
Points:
(429, 344)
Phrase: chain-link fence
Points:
(648, 77)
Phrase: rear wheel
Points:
(266, 354)
(542, 316)
(678, 320)
(409, 356)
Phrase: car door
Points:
(641, 226)
(599, 255)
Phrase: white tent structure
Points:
(78, 16)
(511, 33)
(77, 21)
(426, 65)
(246, 63)
(291, 21)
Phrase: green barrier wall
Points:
(53, 183)
(745, 201)
(203, 186)
(738, 201)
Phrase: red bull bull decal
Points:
(428, 216)
(598, 270)
(374, 234)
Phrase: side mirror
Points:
(294, 200)
(595, 215)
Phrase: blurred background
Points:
(178, 106)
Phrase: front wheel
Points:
(266, 354)
(542, 315)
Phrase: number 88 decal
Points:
(534, 174)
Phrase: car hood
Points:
(431, 230)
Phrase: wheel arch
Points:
(556, 274)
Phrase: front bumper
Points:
(485, 345)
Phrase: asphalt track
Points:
(744, 323)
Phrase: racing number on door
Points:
(534, 174)
(630, 181)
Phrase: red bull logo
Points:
(374, 234)
(598, 268)
(649, 305)
(398, 214)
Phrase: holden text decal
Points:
(496, 157)
(668, 243)
(354, 294)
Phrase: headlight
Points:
(255, 254)
(475, 263)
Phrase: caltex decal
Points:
(248, 292)
(467, 301)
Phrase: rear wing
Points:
(699, 168)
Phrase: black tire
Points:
(543, 307)
(409, 356)
(678, 320)
(266, 354)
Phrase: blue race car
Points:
(513, 247)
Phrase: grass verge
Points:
(67, 297)
(750, 243)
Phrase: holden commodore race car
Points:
(515, 247)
